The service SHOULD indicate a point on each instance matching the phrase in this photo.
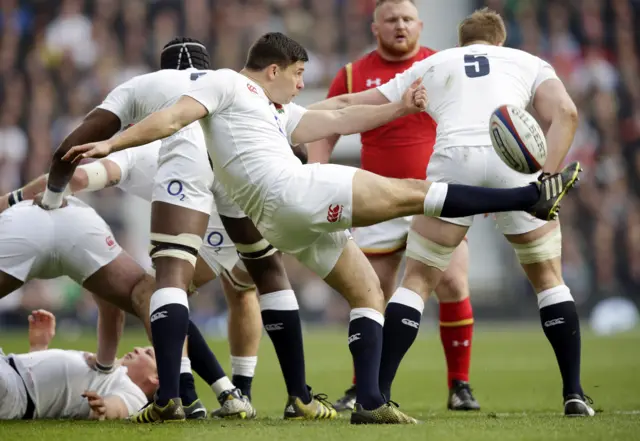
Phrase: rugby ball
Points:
(518, 139)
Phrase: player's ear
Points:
(374, 29)
(272, 71)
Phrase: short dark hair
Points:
(483, 25)
(183, 53)
(275, 48)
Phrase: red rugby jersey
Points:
(401, 148)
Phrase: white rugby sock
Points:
(221, 385)
(185, 365)
(244, 366)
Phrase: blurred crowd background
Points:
(59, 58)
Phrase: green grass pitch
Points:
(514, 376)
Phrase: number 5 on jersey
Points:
(476, 66)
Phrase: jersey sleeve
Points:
(120, 102)
(132, 400)
(339, 84)
(393, 89)
(294, 115)
(212, 89)
(545, 72)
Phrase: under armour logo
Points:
(158, 315)
(334, 213)
(354, 337)
(377, 82)
(411, 323)
(456, 343)
(553, 322)
(274, 327)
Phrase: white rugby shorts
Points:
(39, 244)
(482, 167)
(184, 177)
(306, 214)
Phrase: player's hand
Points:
(92, 150)
(415, 97)
(38, 201)
(96, 403)
(42, 329)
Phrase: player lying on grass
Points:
(465, 85)
(55, 384)
(181, 204)
(304, 210)
(74, 241)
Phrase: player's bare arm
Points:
(318, 124)
(108, 408)
(98, 125)
(110, 326)
(321, 150)
(556, 108)
(158, 125)
(89, 177)
(368, 97)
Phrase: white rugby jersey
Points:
(138, 166)
(466, 84)
(139, 97)
(248, 136)
(56, 380)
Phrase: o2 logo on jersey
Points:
(215, 240)
(175, 189)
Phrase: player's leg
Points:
(377, 199)
(430, 248)
(539, 252)
(339, 261)
(279, 312)
(219, 258)
(456, 328)
(384, 245)
(181, 203)
(245, 330)
(216, 255)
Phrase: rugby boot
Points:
(195, 411)
(552, 189)
(461, 397)
(317, 409)
(346, 402)
(233, 405)
(578, 406)
(172, 412)
(388, 413)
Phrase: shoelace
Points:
(393, 403)
(588, 399)
(324, 399)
